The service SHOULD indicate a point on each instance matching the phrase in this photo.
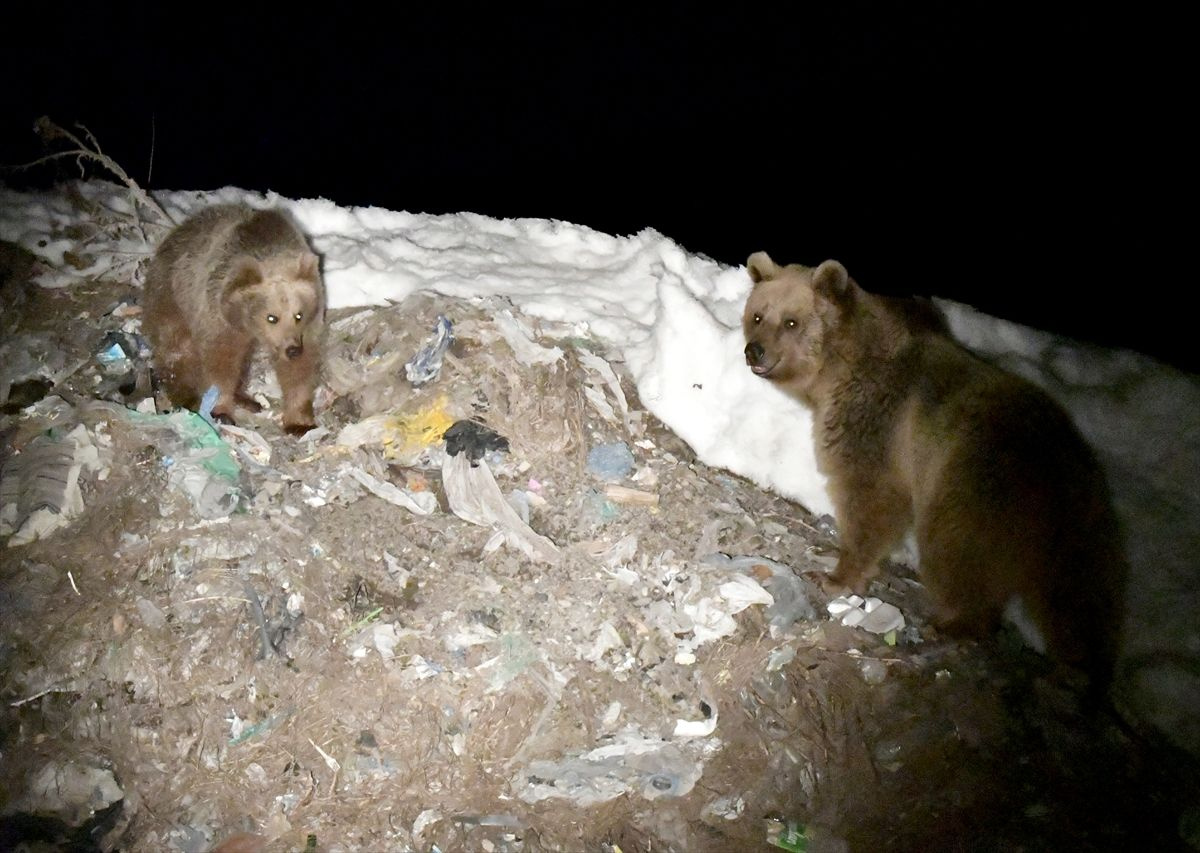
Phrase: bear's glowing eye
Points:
(299, 316)
(757, 319)
(272, 319)
(791, 324)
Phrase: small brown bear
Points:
(227, 280)
(914, 431)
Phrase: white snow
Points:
(674, 318)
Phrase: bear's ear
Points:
(308, 267)
(245, 275)
(833, 282)
(242, 283)
(833, 289)
(761, 267)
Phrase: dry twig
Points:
(89, 151)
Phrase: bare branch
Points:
(89, 151)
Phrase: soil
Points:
(325, 670)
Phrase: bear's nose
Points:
(294, 351)
(754, 353)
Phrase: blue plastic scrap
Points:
(427, 363)
(610, 461)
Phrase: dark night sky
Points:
(1031, 164)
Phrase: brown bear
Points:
(227, 280)
(915, 432)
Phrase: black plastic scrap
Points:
(474, 439)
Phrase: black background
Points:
(1035, 163)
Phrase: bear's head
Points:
(789, 317)
(278, 300)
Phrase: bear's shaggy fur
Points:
(914, 431)
(227, 280)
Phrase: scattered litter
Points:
(789, 590)
(427, 363)
(517, 654)
(874, 671)
(597, 365)
(473, 496)
(697, 728)
(424, 820)
(421, 503)
(631, 497)
(519, 337)
(610, 461)
(39, 487)
(598, 508)
(474, 439)
(198, 461)
(116, 353)
(781, 657)
(403, 438)
(633, 764)
(729, 807)
(330, 762)
(151, 613)
(363, 622)
(787, 835)
(607, 639)
(70, 792)
(250, 446)
(611, 714)
(870, 614)
(711, 616)
(385, 638)
(239, 732)
(421, 668)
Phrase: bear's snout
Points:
(754, 353)
(294, 351)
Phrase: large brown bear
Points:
(227, 280)
(914, 431)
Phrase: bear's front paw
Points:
(248, 403)
(833, 586)
(298, 429)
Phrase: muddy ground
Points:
(322, 669)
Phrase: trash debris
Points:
(634, 763)
(199, 462)
(519, 337)
(598, 508)
(473, 496)
(607, 639)
(707, 617)
(729, 807)
(403, 438)
(787, 835)
(610, 461)
(250, 446)
(427, 363)
(517, 654)
(421, 503)
(597, 365)
(870, 614)
(474, 439)
(789, 591)
(116, 353)
(631, 497)
(696, 728)
(70, 792)
(39, 487)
